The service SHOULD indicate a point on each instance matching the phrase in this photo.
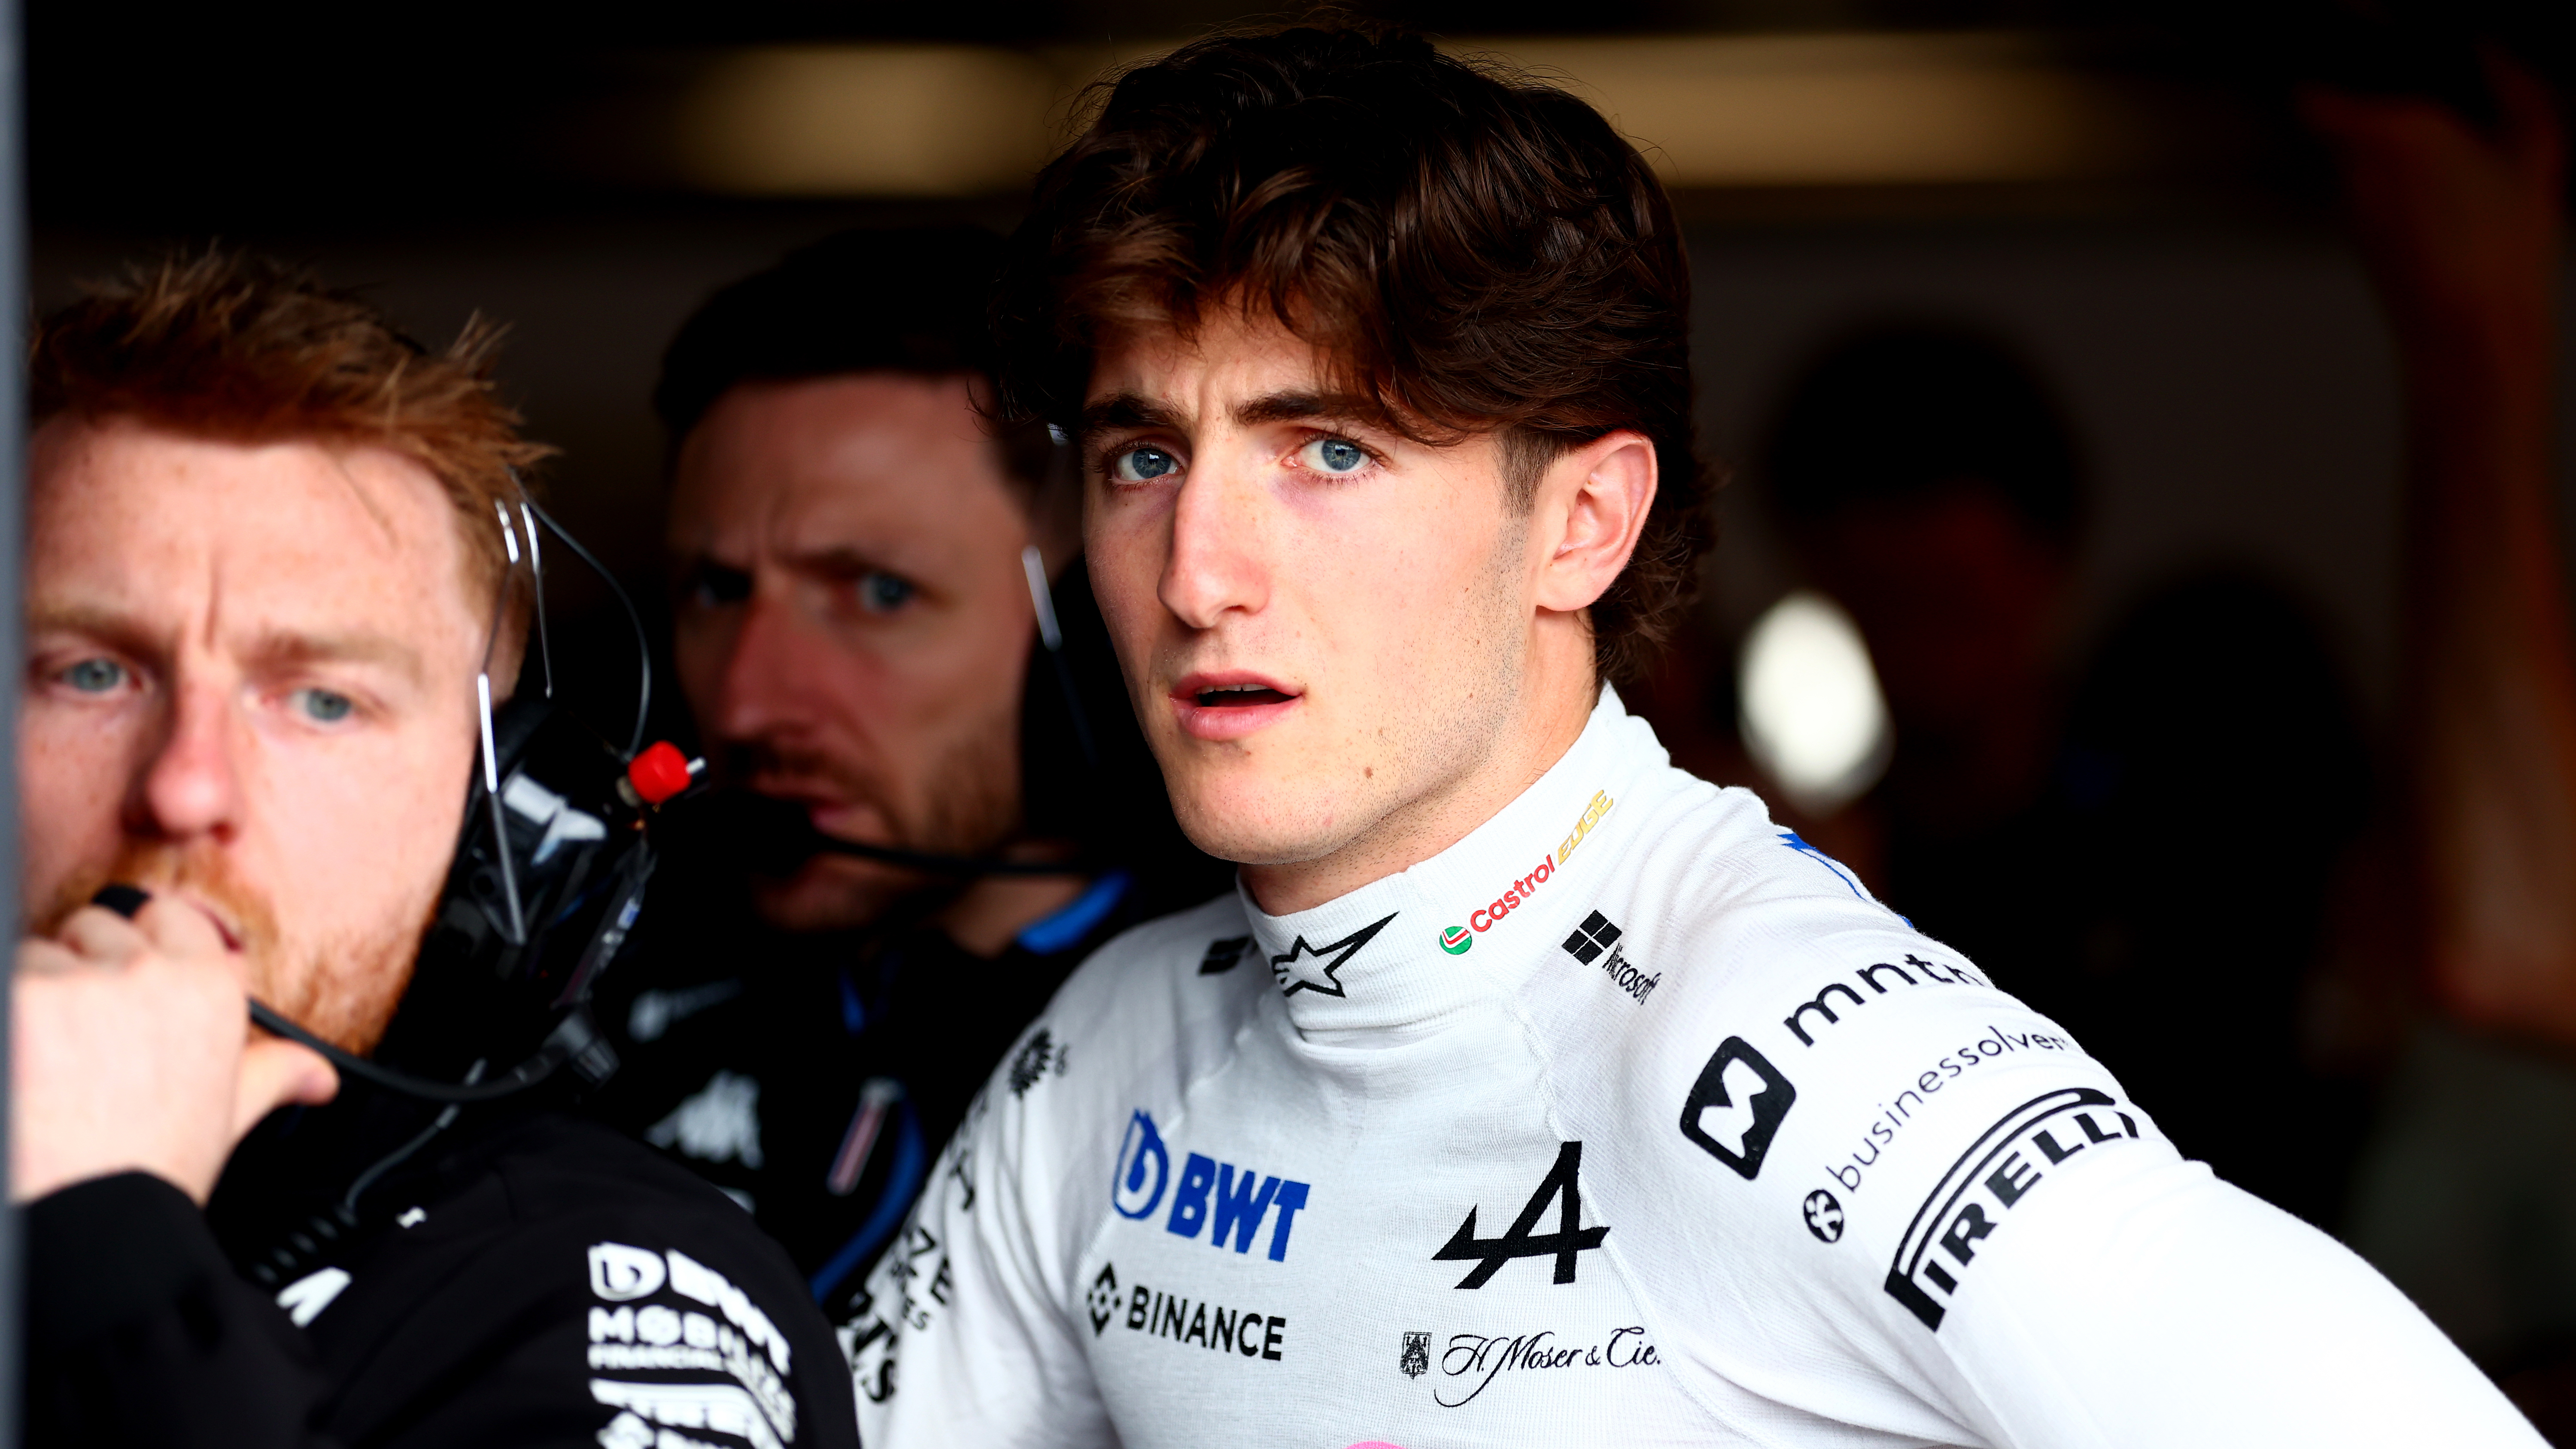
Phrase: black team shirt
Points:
(525, 1278)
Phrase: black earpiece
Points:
(548, 875)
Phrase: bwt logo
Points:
(1235, 1201)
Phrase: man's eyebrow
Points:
(1291, 407)
(288, 649)
(105, 625)
(840, 561)
(1126, 410)
(272, 649)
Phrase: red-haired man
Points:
(263, 560)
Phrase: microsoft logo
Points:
(1591, 938)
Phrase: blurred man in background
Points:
(2218, 919)
(2467, 1194)
(865, 631)
(2061, 829)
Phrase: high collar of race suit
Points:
(1425, 941)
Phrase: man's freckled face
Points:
(852, 622)
(250, 683)
(1321, 622)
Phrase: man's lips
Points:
(1230, 704)
(829, 811)
(219, 919)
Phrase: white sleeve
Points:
(1956, 1228)
(961, 1336)
(2148, 1303)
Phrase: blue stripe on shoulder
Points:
(1067, 927)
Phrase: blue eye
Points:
(94, 676)
(711, 585)
(1334, 455)
(1143, 465)
(324, 706)
(883, 593)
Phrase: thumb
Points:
(275, 1073)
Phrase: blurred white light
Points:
(1813, 718)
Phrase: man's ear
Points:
(1590, 506)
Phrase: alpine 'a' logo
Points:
(1570, 1238)
(1323, 979)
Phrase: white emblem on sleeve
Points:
(718, 1124)
(618, 1272)
(747, 1345)
(692, 1279)
(306, 1297)
(626, 1432)
(721, 1408)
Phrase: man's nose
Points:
(1215, 563)
(191, 784)
(761, 689)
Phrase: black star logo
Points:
(1323, 980)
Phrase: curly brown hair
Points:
(234, 346)
(1479, 253)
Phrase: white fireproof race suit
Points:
(1628, 1119)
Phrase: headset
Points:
(549, 872)
(554, 852)
(553, 856)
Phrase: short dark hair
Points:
(1476, 251)
(1899, 409)
(909, 300)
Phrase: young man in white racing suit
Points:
(1528, 1091)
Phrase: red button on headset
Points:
(659, 773)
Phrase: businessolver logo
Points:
(1456, 940)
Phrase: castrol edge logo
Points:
(1455, 940)
(1592, 813)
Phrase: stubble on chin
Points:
(342, 986)
(969, 806)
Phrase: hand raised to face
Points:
(131, 1051)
